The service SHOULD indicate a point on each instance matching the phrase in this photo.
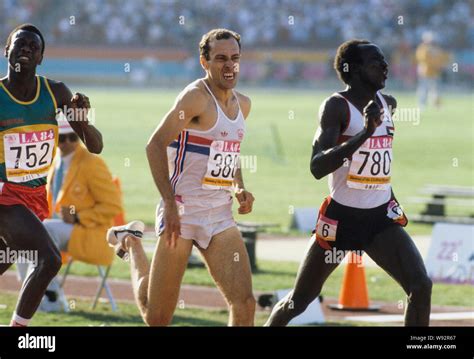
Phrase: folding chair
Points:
(103, 274)
(103, 271)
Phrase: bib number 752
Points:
(31, 156)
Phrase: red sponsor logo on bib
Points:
(380, 142)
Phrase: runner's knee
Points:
(420, 291)
(157, 318)
(295, 305)
(243, 310)
(246, 305)
(143, 290)
(50, 264)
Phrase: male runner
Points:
(28, 141)
(353, 145)
(194, 160)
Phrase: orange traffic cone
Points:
(354, 294)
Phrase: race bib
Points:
(222, 164)
(28, 155)
(326, 228)
(371, 165)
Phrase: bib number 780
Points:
(379, 162)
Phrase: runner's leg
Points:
(22, 230)
(311, 276)
(156, 288)
(394, 251)
(228, 263)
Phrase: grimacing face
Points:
(24, 50)
(223, 65)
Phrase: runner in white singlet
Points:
(202, 165)
(194, 159)
(353, 145)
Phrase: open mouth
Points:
(23, 58)
(229, 76)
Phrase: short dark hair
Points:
(348, 54)
(30, 28)
(215, 34)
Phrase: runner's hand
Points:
(172, 224)
(81, 104)
(245, 199)
(373, 117)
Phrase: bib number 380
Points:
(225, 165)
(224, 157)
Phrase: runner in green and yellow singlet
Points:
(28, 139)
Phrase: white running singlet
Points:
(364, 180)
(202, 164)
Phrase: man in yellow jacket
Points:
(431, 60)
(83, 201)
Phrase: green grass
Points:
(128, 315)
(423, 154)
(271, 276)
(281, 275)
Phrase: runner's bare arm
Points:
(75, 108)
(392, 106)
(187, 106)
(327, 155)
(391, 103)
(245, 104)
(244, 197)
(238, 179)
